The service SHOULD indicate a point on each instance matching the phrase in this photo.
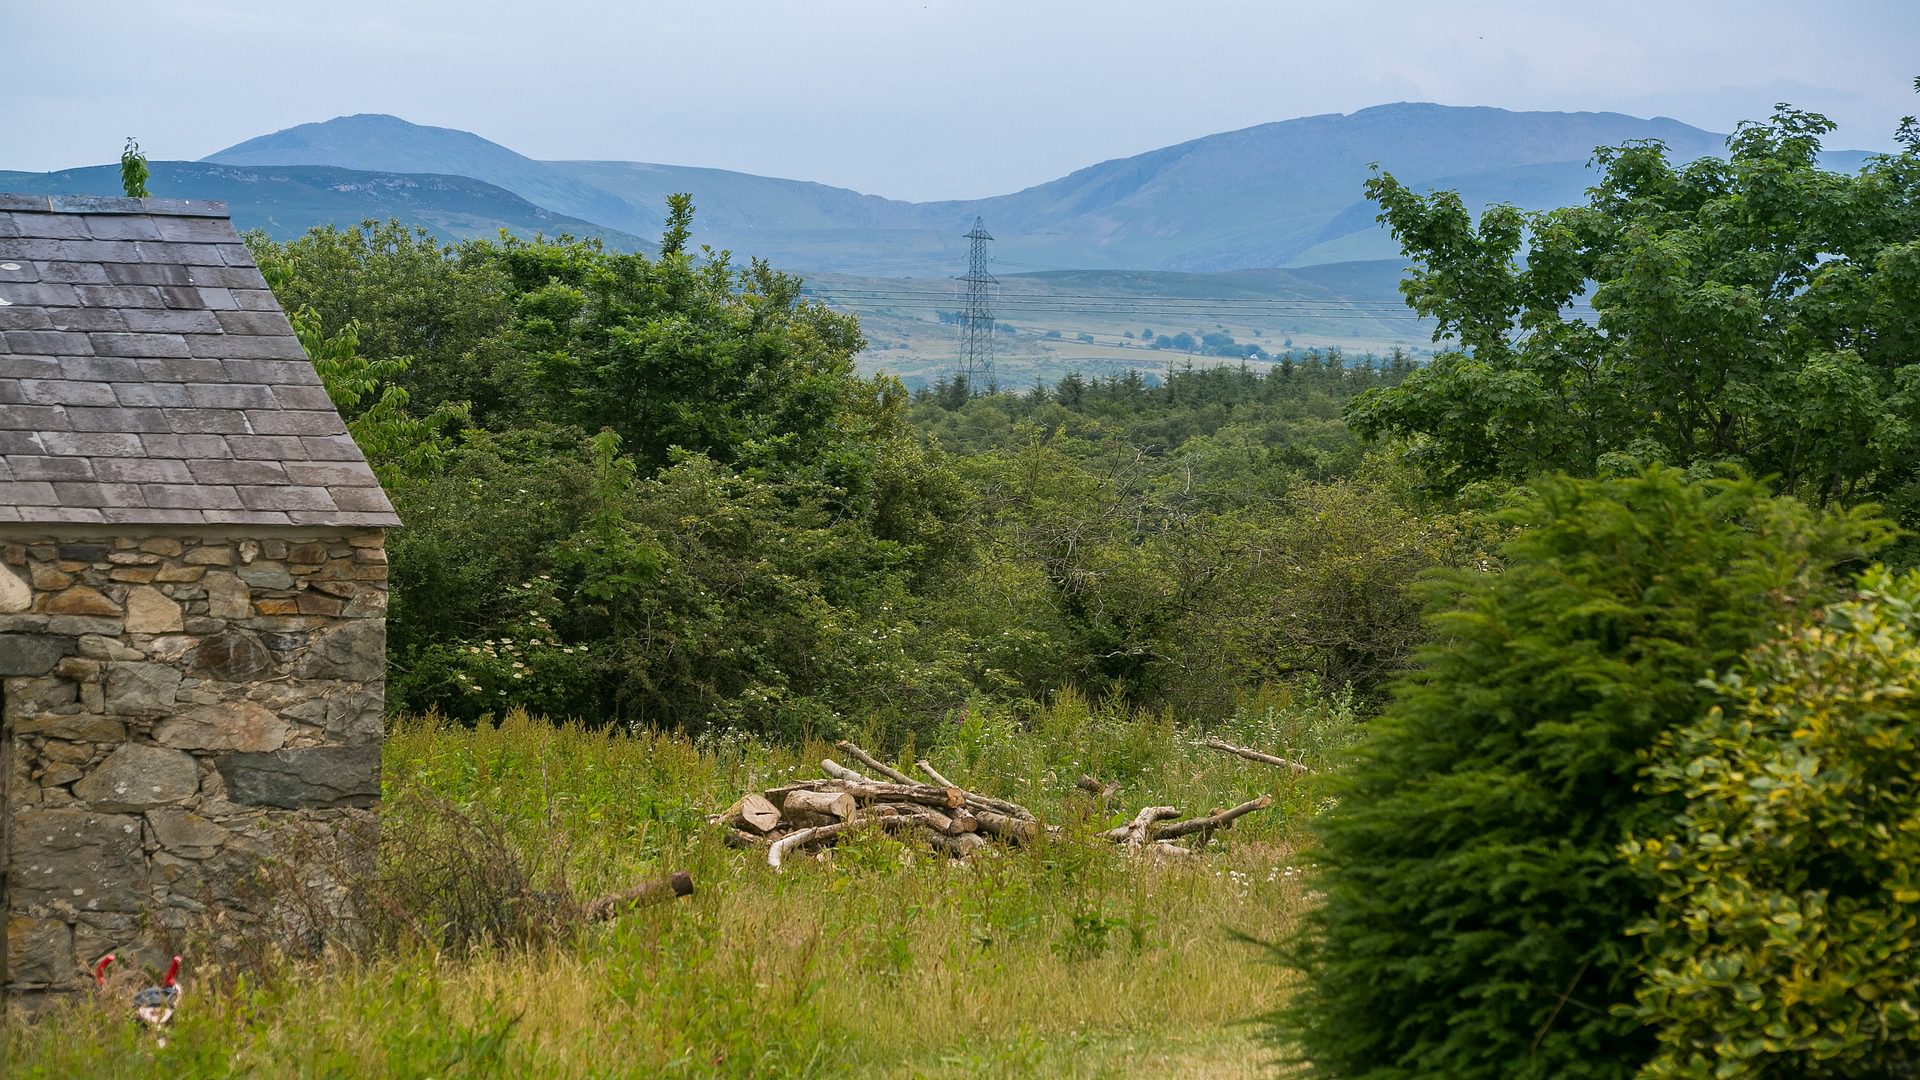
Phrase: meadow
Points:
(1068, 958)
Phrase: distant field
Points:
(1055, 322)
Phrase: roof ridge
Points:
(101, 204)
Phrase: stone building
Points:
(192, 585)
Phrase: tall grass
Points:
(1064, 959)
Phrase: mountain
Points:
(1279, 194)
(285, 201)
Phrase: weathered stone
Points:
(356, 716)
(319, 776)
(80, 600)
(312, 604)
(175, 572)
(218, 555)
(83, 624)
(233, 656)
(227, 596)
(30, 697)
(356, 651)
(231, 725)
(276, 606)
(15, 595)
(39, 951)
(149, 611)
(79, 669)
(172, 648)
(81, 727)
(307, 553)
(13, 554)
(23, 624)
(139, 777)
(66, 751)
(247, 550)
(98, 647)
(141, 689)
(48, 579)
(177, 829)
(201, 625)
(134, 575)
(84, 553)
(266, 575)
(160, 545)
(31, 654)
(82, 859)
(273, 549)
(59, 774)
(131, 558)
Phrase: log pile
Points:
(810, 815)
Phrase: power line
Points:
(976, 345)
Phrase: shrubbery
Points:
(1786, 938)
(1476, 906)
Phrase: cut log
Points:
(926, 766)
(753, 813)
(804, 809)
(1104, 792)
(919, 815)
(1255, 755)
(1135, 831)
(875, 791)
(958, 847)
(737, 839)
(1211, 821)
(876, 764)
(777, 851)
(1007, 827)
(679, 883)
(841, 772)
(1169, 848)
(964, 821)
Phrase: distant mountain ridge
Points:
(1274, 195)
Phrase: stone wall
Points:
(174, 703)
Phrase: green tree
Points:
(1788, 925)
(1476, 906)
(133, 170)
(1754, 309)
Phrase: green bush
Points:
(1787, 941)
(1476, 905)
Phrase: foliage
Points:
(134, 170)
(1755, 310)
(396, 443)
(1789, 886)
(1475, 906)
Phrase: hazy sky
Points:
(910, 99)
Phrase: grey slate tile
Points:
(117, 296)
(32, 493)
(263, 517)
(116, 419)
(346, 517)
(31, 318)
(122, 227)
(331, 448)
(25, 272)
(85, 320)
(238, 472)
(21, 442)
(94, 444)
(157, 345)
(147, 274)
(285, 497)
(191, 496)
(197, 369)
(48, 343)
(148, 515)
(295, 422)
(41, 293)
(29, 367)
(367, 499)
(33, 203)
(233, 396)
(254, 299)
(196, 230)
(328, 474)
(207, 421)
(141, 470)
(302, 397)
(166, 320)
(254, 322)
(32, 467)
(153, 395)
(267, 447)
(107, 369)
(65, 392)
(73, 273)
(33, 418)
(236, 347)
(294, 372)
(78, 515)
(78, 493)
(46, 226)
(184, 446)
(179, 254)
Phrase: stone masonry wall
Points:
(173, 703)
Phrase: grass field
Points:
(1064, 959)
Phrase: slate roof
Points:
(147, 375)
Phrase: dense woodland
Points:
(1639, 790)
